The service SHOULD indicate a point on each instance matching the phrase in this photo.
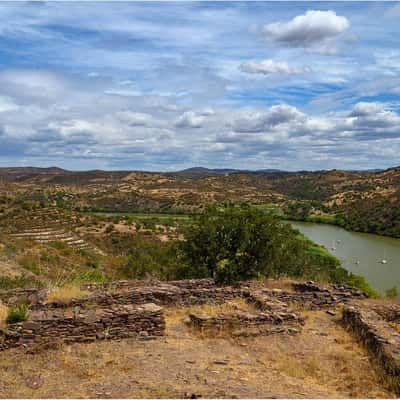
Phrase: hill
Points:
(360, 200)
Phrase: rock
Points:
(34, 382)
(221, 362)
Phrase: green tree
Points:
(231, 244)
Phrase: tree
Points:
(232, 244)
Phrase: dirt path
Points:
(322, 361)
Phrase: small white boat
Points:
(338, 241)
(357, 262)
(384, 261)
(333, 248)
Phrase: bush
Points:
(17, 314)
(392, 293)
(232, 244)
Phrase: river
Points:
(361, 253)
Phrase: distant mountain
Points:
(21, 173)
(201, 172)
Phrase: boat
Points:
(357, 262)
(384, 261)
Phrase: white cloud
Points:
(270, 118)
(307, 30)
(190, 119)
(135, 118)
(6, 104)
(268, 66)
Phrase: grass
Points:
(16, 314)
(3, 313)
(66, 293)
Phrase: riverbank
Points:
(359, 253)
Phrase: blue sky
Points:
(165, 86)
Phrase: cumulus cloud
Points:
(268, 66)
(374, 118)
(133, 118)
(190, 119)
(313, 29)
(157, 133)
(270, 118)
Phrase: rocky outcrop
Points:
(380, 338)
(79, 325)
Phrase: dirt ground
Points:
(323, 361)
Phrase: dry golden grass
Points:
(3, 313)
(66, 293)
(308, 365)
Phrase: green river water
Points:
(361, 253)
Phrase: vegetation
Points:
(392, 293)
(65, 293)
(232, 244)
(16, 314)
(3, 313)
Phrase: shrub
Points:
(109, 228)
(232, 244)
(17, 314)
(392, 293)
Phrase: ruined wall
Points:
(312, 296)
(161, 294)
(132, 284)
(380, 338)
(85, 325)
(19, 296)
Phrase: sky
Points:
(164, 86)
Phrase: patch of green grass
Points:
(270, 208)
(89, 276)
(17, 314)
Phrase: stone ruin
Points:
(378, 330)
(121, 309)
(77, 325)
(279, 319)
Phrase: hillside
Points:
(366, 201)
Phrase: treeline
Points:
(379, 215)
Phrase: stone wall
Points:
(380, 338)
(312, 296)
(162, 294)
(18, 296)
(85, 325)
(132, 284)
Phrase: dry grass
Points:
(308, 365)
(3, 313)
(66, 293)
